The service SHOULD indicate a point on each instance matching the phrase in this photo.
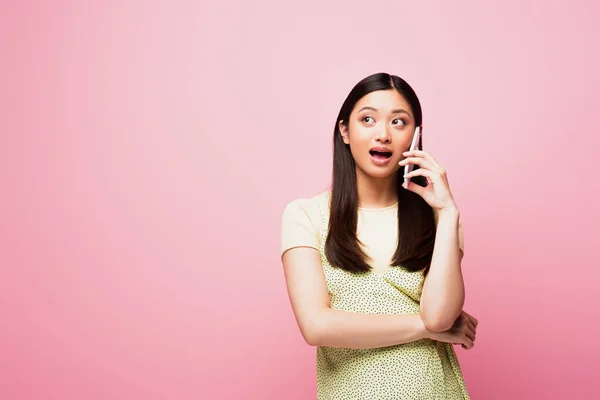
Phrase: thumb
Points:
(413, 187)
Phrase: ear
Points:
(344, 131)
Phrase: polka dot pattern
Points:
(423, 369)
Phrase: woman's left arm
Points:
(443, 292)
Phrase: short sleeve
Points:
(297, 229)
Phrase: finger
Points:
(432, 176)
(471, 325)
(420, 190)
(468, 343)
(470, 334)
(472, 328)
(435, 165)
(423, 154)
(471, 318)
(421, 162)
(467, 326)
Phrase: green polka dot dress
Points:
(423, 369)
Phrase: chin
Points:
(381, 173)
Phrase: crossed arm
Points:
(442, 299)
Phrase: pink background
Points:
(148, 150)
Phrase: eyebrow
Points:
(397, 111)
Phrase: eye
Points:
(365, 119)
(398, 122)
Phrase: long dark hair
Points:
(416, 224)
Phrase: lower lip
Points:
(380, 160)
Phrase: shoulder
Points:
(301, 223)
(311, 207)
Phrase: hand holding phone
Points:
(413, 146)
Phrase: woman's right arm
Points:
(321, 325)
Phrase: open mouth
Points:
(380, 154)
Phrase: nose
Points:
(383, 135)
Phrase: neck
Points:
(376, 192)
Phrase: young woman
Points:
(373, 270)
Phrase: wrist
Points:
(449, 212)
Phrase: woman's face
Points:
(379, 130)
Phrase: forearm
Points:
(443, 292)
(335, 328)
